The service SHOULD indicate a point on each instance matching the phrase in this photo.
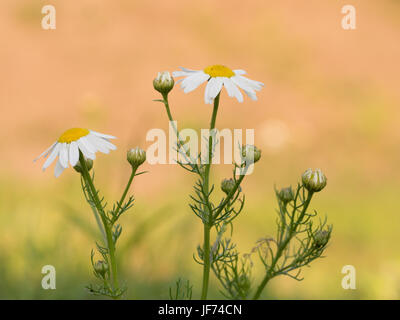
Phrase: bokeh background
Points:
(331, 100)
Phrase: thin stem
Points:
(179, 143)
(207, 264)
(107, 226)
(166, 103)
(208, 219)
(98, 220)
(282, 247)
(232, 192)
(119, 204)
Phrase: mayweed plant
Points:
(215, 217)
(77, 147)
(301, 235)
(297, 242)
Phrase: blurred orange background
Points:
(331, 100)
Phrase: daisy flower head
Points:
(71, 143)
(219, 76)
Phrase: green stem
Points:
(107, 226)
(119, 204)
(207, 264)
(166, 103)
(282, 247)
(99, 223)
(208, 221)
(232, 192)
(179, 144)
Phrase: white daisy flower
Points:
(218, 76)
(67, 148)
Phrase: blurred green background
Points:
(331, 100)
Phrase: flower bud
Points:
(286, 194)
(314, 180)
(227, 185)
(251, 153)
(89, 165)
(101, 267)
(164, 82)
(321, 238)
(136, 157)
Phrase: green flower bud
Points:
(251, 153)
(101, 267)
(164, 82)
(321, 238)
(89, 165)
(227, 185)
(314, 180)
(286, 194)
(136, 157)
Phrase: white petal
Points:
(98, 143)
(245, 86)
(58, 169)
(233, 90)
(177, 74)
(216, 87)
(239, 72)
(192, 82)
(108, 144)
(213, 87)
(45, 153)
(188, 70)
(63, 157)
(251, 95)
(91, 148)
(52, 156)
(107, 136)
(73, 153)
(255, 85)
(207, 98)
(183, 73)
(85, 151)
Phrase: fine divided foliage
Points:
(299, 240)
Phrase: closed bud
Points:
(251, 153)
(89, 165)
(321, 238)
(314, 180)
(227, 185)
(286, 194)
(164, 82)
(136, 157)
(101, 268)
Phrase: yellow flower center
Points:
(73, 134)
(219, 71)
